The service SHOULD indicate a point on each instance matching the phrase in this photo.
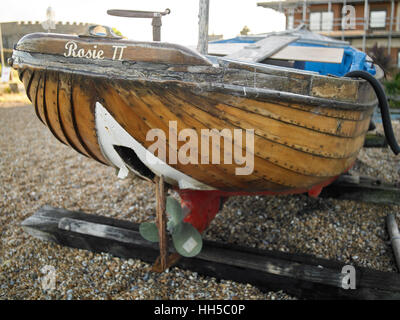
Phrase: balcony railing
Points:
(336, 24)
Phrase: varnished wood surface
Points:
(308, 128)
(133, 50)
(294, 148)
(53, 98)
(83, 104)
(66, 116)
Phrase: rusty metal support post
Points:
(164, 260)
(161, 221)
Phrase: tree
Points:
(381, 58)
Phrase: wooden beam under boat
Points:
(301, 275)
(363, 188)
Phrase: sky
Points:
(227, 17)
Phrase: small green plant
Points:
(186, 239)
(392, 89)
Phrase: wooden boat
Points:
(308, 128)
(101, 95)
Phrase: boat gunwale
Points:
(27, 44)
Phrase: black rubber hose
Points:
(383, 105)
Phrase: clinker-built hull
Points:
(105, 96)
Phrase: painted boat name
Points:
(72, 50)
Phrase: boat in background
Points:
(305, 51)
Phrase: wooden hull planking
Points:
(297, 146)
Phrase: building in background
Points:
(363, 23)
(13, 31)
(213, 37)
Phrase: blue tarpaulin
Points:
(353, 59)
